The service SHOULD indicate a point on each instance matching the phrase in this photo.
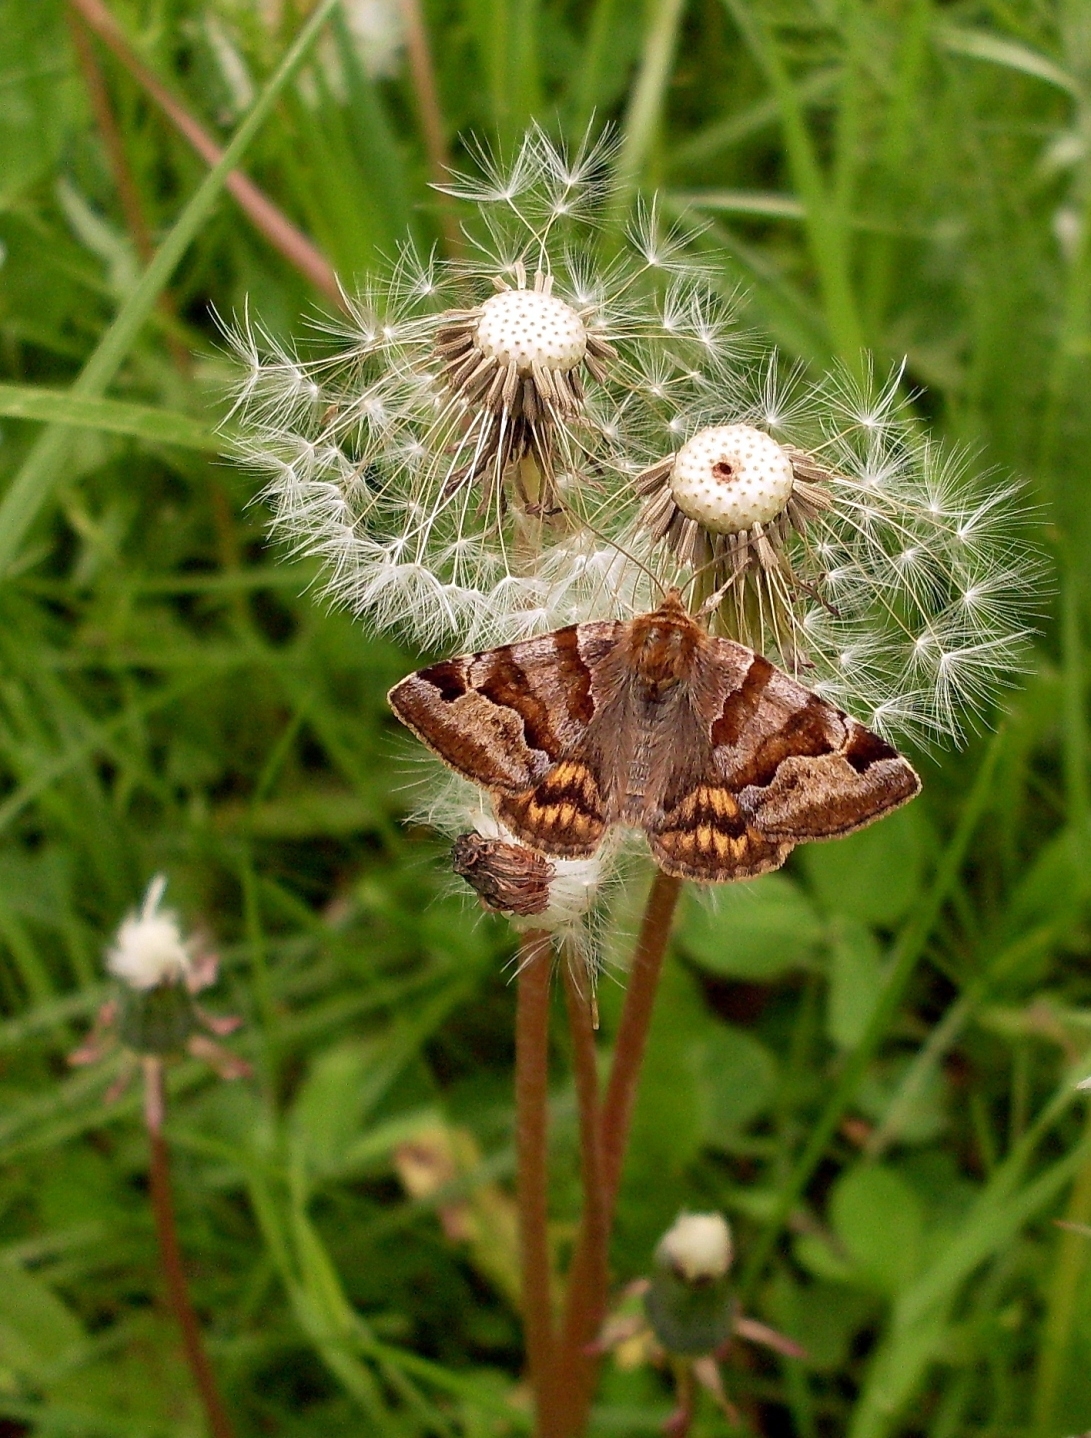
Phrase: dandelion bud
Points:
(689, 1302)
(156, 1014)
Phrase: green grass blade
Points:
(110, 416)
(43, 468)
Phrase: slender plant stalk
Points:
(430, 115)
(124, 181)
(531, 1119)
(170, 1255)
(588, 1286)
(1054, 1353)
(632, 1034)
(589, 1275)
(43, 468)
(270, 221)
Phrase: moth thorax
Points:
(526, 328)
(730, 477)
(664, 646)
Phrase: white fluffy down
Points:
(149, 947)
(698, 1246)
(526, 328)
(730, 477)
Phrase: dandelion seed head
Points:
(731, 477)
(149, 949)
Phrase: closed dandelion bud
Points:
(688, 1301)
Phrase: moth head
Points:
(664, 645)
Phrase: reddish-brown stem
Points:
(127, 190)
(431, 118)
(531, 1117)
(589, 1273)
(170, 1256)
(632, 1034)
(263, 214)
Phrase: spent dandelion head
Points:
(453, 449)
(155, 1015)
(821, 527)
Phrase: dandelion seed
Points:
(476, 416)
(840, 543)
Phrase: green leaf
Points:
(880, 1221)
(37, 93)
(737, 1075)
(37, 1330)
(856, 982)
(159, 426)
(874, 875)
(757, 930)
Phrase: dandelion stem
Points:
(170, 1255)
(531, 1114)
(589, 1275)
(632, 1034)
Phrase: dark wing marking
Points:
(562, 815)
(505, 716)
(706, 836)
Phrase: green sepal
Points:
(689, 1319)
(157, 1021)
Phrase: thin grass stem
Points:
(128, 192)
(531, 1143)
(170, 1255)
(433, 130)
(43, 467)
(266, 217)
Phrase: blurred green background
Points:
(905, 175)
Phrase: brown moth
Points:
(508, 878)
(722, 759)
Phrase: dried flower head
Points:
(686, 1316)
(155, 1015)
(149, 949)
(458, 455)
(697, 1247)
(825, 531)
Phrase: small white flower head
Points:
(458, 447)
(822, 529)
(698, 1247)
(149, 949)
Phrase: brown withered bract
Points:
(722, 759)
(508, 878)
